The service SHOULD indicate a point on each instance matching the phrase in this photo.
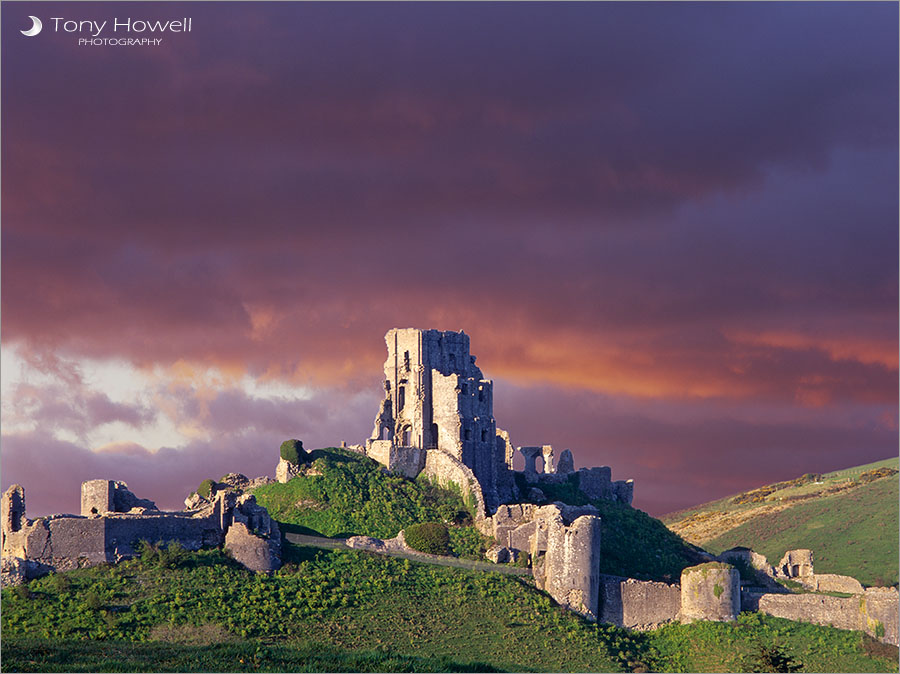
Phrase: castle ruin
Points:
(113, 523)
(437, 418)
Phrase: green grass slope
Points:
(854, 533)
(345, 494)
(353, 611)
(848, 518)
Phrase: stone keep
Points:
(436, 399)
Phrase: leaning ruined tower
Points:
(437, 400)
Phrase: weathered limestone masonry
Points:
(638, 604)
(437, 418)
(106, 532)
(874, 611)
(595, 483)
(571, 573)
(437, 400)
(563, 544)
(109, 496)
(713, 591)
(710, 591)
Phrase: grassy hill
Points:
(348, 610)
(353, 611)
(343, 493)
(848, 518)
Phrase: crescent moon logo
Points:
(35, 27)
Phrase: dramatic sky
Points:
(671, 231)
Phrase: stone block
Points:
(286, 471)
(638, 604)
(498, 554)
(520, 537)
(13, 509)
(623, 491)
(97, 497)
(595, 483)
(566, 463)
(250, 550)
(832, 582)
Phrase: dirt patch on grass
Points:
(192, 635)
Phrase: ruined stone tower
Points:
(437, 400)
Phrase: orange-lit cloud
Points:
(645, 210)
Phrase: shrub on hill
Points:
(292, 452)
(205, 488)
(430, 537)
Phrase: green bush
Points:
(292, 451)
(93, 600)
(430, 537)
(59, 582)
(467, 542)
(205, 488)
(163, 556)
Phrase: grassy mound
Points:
(352, 611)
(346, 494)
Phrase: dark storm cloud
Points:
(669, 201)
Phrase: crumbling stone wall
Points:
(12, 505)
(407, 461)
(795, 564)
(285, 471)
(563, 544)
(63, 542)
(710, 591)
(503, 469)
(832, 582)
(99, 497)
(874, 612)
(638, 604)
(566, 463)
(447, 470)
